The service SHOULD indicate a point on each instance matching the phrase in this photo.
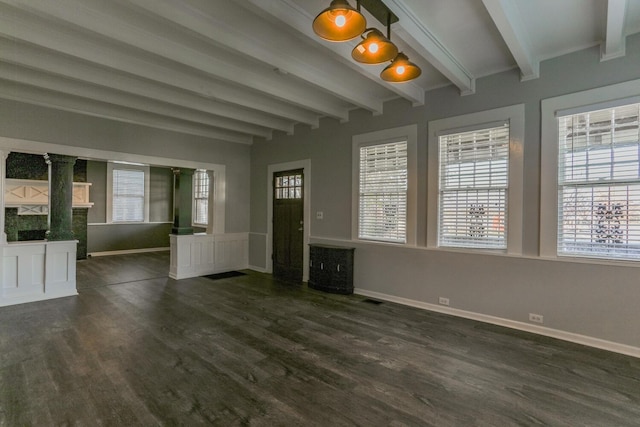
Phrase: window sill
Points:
(597, 261)
(564, 259)
(130, 223)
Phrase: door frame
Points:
(305, 165)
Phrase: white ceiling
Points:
(233, 70)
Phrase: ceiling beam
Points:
(35, 31)
(34, 78)
(509, 24)
(95, 16)
(417, 35)
(293, 15)
(285, 53)
(61, 101)
(27, 55)
(614, 45)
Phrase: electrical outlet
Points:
(443, 301)
(537, 318)
(319, 215)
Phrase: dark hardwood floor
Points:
(136, 348)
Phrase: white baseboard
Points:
(258, 269)
(541, 330)
(127, 251)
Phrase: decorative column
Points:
(182, 201)
(60, 196)
(3, 177)
(210, 203)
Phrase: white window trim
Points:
(193, 201)
(410, 134)
(514, 114)
(612, 95)
(111, 166)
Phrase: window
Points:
(599, 183)
(384, 185)
(128, 190)
(475, 181)
(555, 155)
(473, 188)
(289, 186)
(383, 192)
(200, 197)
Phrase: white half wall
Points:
(36, 271)
(200, 254)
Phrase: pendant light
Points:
(374, 49)
(339, 22)
(400, 70)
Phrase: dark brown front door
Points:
(288, 225)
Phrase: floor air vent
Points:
(372, 301)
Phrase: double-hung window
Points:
(475, 170)
(200, 197)
(474, 179)
(599, 183)
(384, 185)
(128, 189)
(383, 192)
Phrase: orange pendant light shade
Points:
(374, 49)
(400, 70)
(339, 22)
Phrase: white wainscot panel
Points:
(34, 271)
(61, 268)
(23, 273)
(201, 254)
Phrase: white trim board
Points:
(258, 269)
(36, 147)
(521, 326)
(127, 251)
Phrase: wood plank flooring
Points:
(253, 351)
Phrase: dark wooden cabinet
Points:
(331, 268)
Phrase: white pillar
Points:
(3, 177)
(210, 203)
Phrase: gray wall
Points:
(118, 237)
(30, 122)
(104, 237)
(594, 300)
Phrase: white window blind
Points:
(128, 195)
(200, 197)
(382, 210)
(599, 183)
(473, 188)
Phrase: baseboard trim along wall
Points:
(258, 269)
(541, 330)
(127, 251)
